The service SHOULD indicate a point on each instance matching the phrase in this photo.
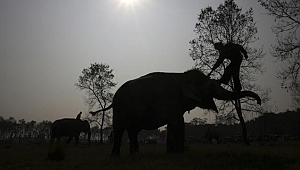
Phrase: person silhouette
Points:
(235, 53)
(78, 116)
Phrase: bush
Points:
(56, 152)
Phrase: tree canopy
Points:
(287, 47)
(229, 24)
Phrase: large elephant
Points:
(70, 128)
(156, 99)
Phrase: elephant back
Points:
(196, 75)
(66, 126)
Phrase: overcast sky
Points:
(45, 45)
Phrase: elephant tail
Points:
(101, 110)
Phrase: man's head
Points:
(219, 46)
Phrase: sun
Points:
(128, 3)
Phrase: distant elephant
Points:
(70, 128)
(212, 135)
(156, 99)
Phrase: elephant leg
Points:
(170, 139)
(76, 140)
(58, 138)
(118, 133)
(179, 136)
(69, 140)
(53, 136)
(175, 136)
(52, 139)
(218, 139)
(133, 137)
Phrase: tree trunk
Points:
(240, 115)
(101, 127)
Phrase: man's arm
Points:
(243, 51)
(217, 64)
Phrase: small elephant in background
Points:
(69, 127)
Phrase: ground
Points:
(284, 155)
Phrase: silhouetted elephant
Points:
(156, 99)
(210, 135)
(70, 128)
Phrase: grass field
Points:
(197, 156)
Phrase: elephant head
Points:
(85, 127)
(201, 90)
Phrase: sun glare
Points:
(128, 3)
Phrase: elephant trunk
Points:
(222, 94)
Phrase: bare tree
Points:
(97, 82)
(43, 129)
(287, 48)
(228, 24)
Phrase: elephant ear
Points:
(209, 104)
(206, 91)
(195, 86)
(200, 95)
(189, 91)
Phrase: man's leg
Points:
(227, 75)
(236, 80)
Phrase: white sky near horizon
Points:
(45, 45)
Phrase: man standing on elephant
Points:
(234, 53)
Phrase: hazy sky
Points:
(45, 44)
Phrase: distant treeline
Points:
(269, 126)
(12, 129)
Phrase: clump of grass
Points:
(56, 152)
